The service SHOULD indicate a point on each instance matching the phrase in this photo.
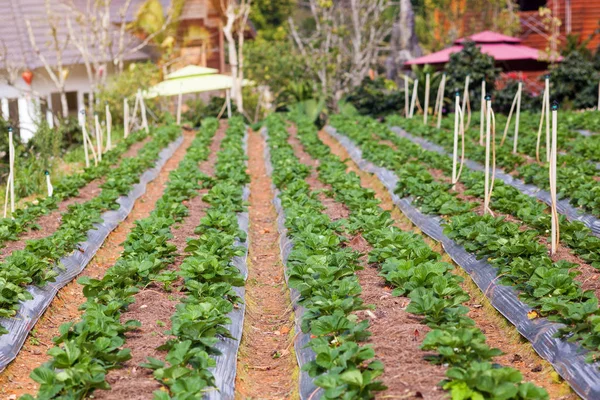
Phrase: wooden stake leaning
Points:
(466, 103)
(125, 117)
(85, 142)
(98, 130)
(440, 106)
(512, 109)
(10, 183)
(555, 235)
(517, 119)
(488, 134)
(414, 99)
(108, 129)
(426, 108)
(406, 112)
(459, 129)
(49, 184)
(547, 88)
(143, 109)
(482, 113)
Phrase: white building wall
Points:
(41, 87)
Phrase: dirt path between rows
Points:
(50, 223)
(267, 367)
(154, 305)
(499, 332)
(64, 308)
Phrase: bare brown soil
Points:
(499, 333)
(155, 305)
(266, 367)
(65, 306)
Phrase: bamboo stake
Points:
(462, 151)
(406, 115)
(441, 104)
(488, 131)
(414, 98)
(466, 104)
(179, 100)
(6, 194)
(456, 129)
(49, 184)
(125, 118)
(143, 110)
(598, 96)
(539, 135)
(426, 108)
(547, 85)
(516, 138)
(512, 109)
(10, 184)
(85, 143)
(98, 130)
(108, 129)
(481, 116)
(555, 222)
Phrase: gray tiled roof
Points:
(14, 36)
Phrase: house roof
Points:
(117, 5)
(14, 35)
(488, 37)
(503, 48)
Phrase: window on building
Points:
(531, 5)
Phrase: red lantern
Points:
(27, 77)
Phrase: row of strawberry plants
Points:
(576, 178)
(209, 278)
(39, 262)
(24, 218)
(414, 270)
(86, 350)
(323, 272)
(505, 198)
(521, 261)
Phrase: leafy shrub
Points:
(574, 81)
(373, 97)
(471, 61)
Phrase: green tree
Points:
(269, 16)
(471, 61)
(575, 81)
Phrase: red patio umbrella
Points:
(509, 54)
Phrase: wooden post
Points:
(108, 129)
(85, 142)
(598, 96)
(125, 117)
(517, 118)
(482, 115)
(406, 115)
(49, 184)
(456, 129)
(10, 184)
(488, 131)
(555, 222)
(441, 103)
(98, 130)
(426, 108)
(414, 99)
(179, 100)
